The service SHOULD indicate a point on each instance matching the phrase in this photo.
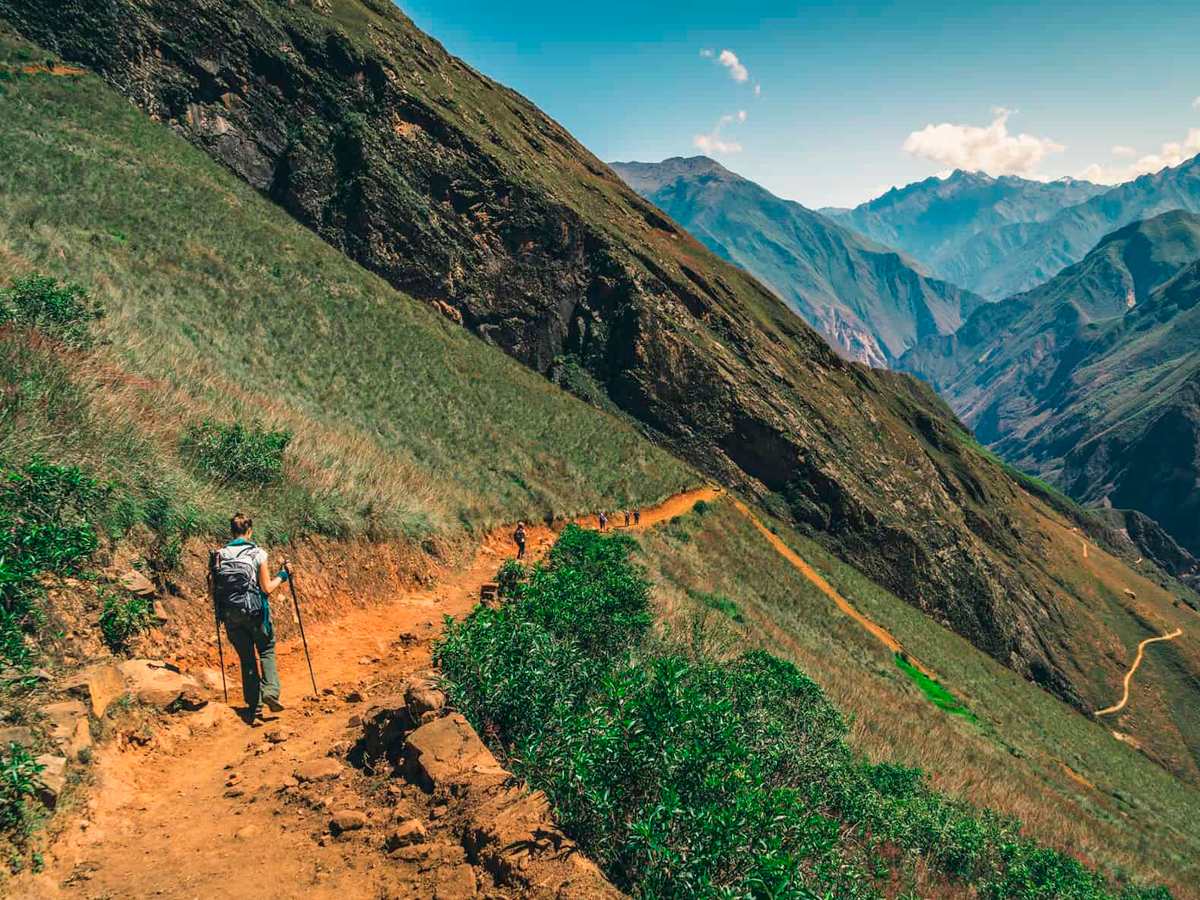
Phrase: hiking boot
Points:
(273, 704)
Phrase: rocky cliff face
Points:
(465, 195)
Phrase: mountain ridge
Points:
(1050, 377)
(956, 225)
(870, 301)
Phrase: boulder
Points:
(447, 751)
(155, 683)
(52, 778)
(98, 685)
(138, 584)
(323, 768)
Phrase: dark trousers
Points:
(254, 640)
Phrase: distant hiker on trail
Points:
(603, 520)
(637, 517)
(519, 538)
(626, 518)
(241, 585)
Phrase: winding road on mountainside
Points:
(1141, 652)
(207, 806)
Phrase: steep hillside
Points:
(868, 301)
(1089, 379)
(409, 437)
(956, 226)
(464, 194)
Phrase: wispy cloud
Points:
(713, 142)
(727, 58)
(1124, 152)
(989, 148)
(1196, 103)
(1172, 153)
(737, 71)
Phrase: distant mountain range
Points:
(1093, 379)
(870, 302)
(999, 236)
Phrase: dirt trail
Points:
(877, 631)
(1141, 652)
(202, 809)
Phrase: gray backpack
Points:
(235, 580)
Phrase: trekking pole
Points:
(300, 622)
(217, 619)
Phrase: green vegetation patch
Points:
(47, 516)
(718, 602)
(248, 454)
(683, 775)
(62, 312)
(934, 690)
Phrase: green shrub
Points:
(46, 516)
(121, 620)
(511, 577)
(237, 453)
(689, 777)
(61, 311)
(18, 783)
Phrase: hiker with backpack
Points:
(519, 538)
(241, 584)
(603, 520)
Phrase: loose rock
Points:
(324, 768)
(410, 831)
(53, 778)
(347, 820)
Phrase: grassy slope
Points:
(221, 306)
(1030, 756)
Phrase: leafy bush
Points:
(237, 453)
(61, 311)
(46, 516)
(123, 619)
(686, 776)
(510, 578)
(18, 782)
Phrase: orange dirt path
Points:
(877, 631)
(1141, 652)
(162, 819)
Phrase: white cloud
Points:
(1172, 153)
(989, 149)
(737, 71)
(1123, 151)
(758, 90)
(713, 142)
(707, 54)
(1196, 103)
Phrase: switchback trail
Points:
(207, 806)
(1141, 652)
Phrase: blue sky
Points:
(1104, 90)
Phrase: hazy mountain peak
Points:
(869, 301)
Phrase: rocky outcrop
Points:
(462, 193)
